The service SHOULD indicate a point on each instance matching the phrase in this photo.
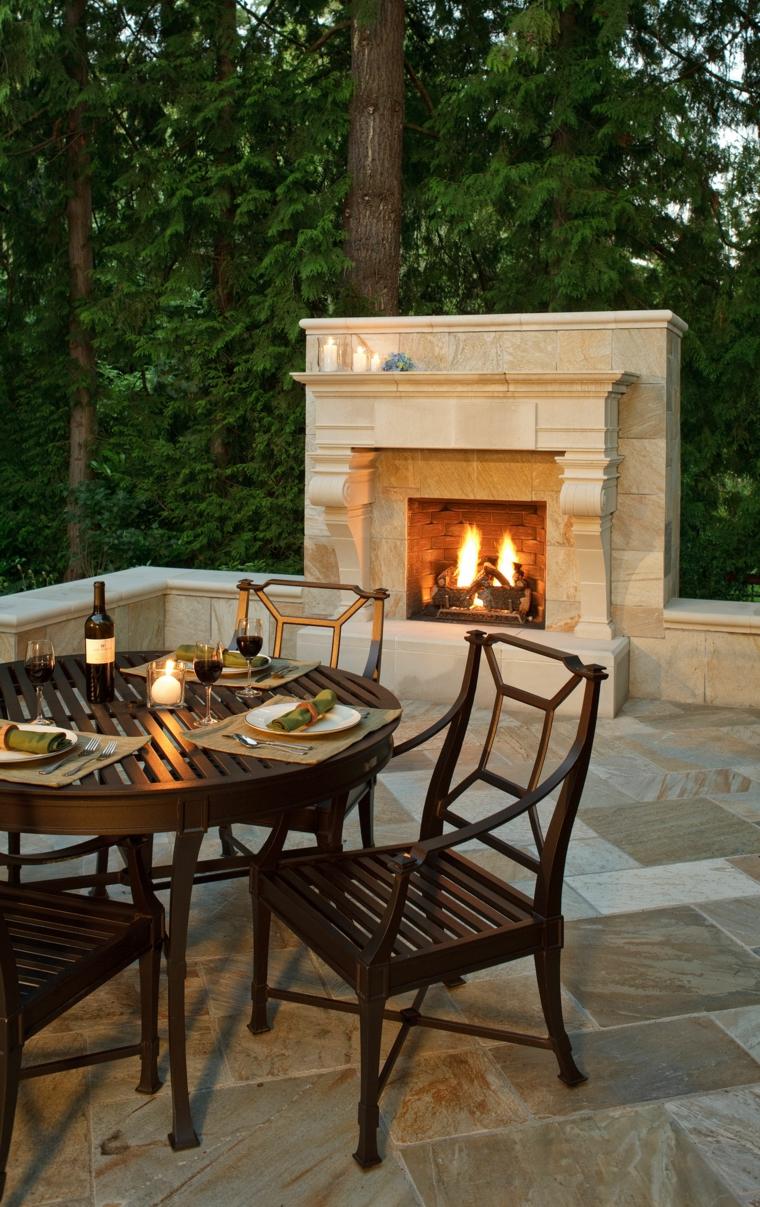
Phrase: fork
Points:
(88, 748)
(104, 752)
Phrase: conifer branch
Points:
(328, 33)
(420, 87)
(420, 129)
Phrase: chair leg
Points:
(10, 1065)
(150, 968)
(14, 848)
(262, 917)
(225, 838)
(371, 1026)
(366, 810)
(101, 867)
(547, 973)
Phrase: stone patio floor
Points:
(662, 979)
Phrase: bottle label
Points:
(98, 650)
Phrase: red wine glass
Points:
(39, 665)
(208, 664)
(249, 639)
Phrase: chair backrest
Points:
(336, 624)
(568, 775)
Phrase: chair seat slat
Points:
(433, 909)
(413, 925)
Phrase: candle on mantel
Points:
(167, 689)
(374, 364)
(329, 356)
(360, 360)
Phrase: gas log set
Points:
(494, 587)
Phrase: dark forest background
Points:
(180, 183)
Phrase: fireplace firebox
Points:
(476, 561)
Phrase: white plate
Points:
(264, 662)
(233, 671)
(338, 718)
(20, 756)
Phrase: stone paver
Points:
(662, 995)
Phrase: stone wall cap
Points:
(550, 321)
(65, 601)
(719, 615)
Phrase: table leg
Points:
(186, 848)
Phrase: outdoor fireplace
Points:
(476, 560)
(577, 414)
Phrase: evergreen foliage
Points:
(561, 154)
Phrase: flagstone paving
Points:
(661, 977)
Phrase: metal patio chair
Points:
(320, 819)
(404, 917)
(55, 949)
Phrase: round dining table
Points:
(173, 786)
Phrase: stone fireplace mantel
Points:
(573, 415)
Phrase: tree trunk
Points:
(79, 222)
(226, 54)
(375, 144)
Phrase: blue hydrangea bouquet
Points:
(398, 362)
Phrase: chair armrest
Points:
(379, 947)
(429, 846)
(430, 732)
(60, 854)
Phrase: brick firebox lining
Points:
(434, 533)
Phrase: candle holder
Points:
(166, 684)
(328, 356)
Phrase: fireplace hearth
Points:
(476, 561)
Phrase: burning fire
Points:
(468, 557)
(507, 557)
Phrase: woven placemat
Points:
(282, 671)
(73, 766)
(306, 750)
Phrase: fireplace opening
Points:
(476, 561)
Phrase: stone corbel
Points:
(342, 482)
(589, 496)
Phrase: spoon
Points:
(252, 742)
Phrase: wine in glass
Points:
(39, 665)
(249, 639)
(208, 664)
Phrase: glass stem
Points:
(39, 716)
(208, 718)
(248, 684)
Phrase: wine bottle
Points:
(100, 650)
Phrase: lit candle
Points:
(374, 364)
(329, 356)
(167, 689)
(360, 360)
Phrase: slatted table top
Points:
(171, 784)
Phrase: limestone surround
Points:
(580, 410)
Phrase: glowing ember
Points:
(507, 557)
(469, 555)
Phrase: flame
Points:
(478, 602)
(469, 553)
(507, 557)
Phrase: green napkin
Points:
(301, 717)
(232, 658)
(34, 742)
